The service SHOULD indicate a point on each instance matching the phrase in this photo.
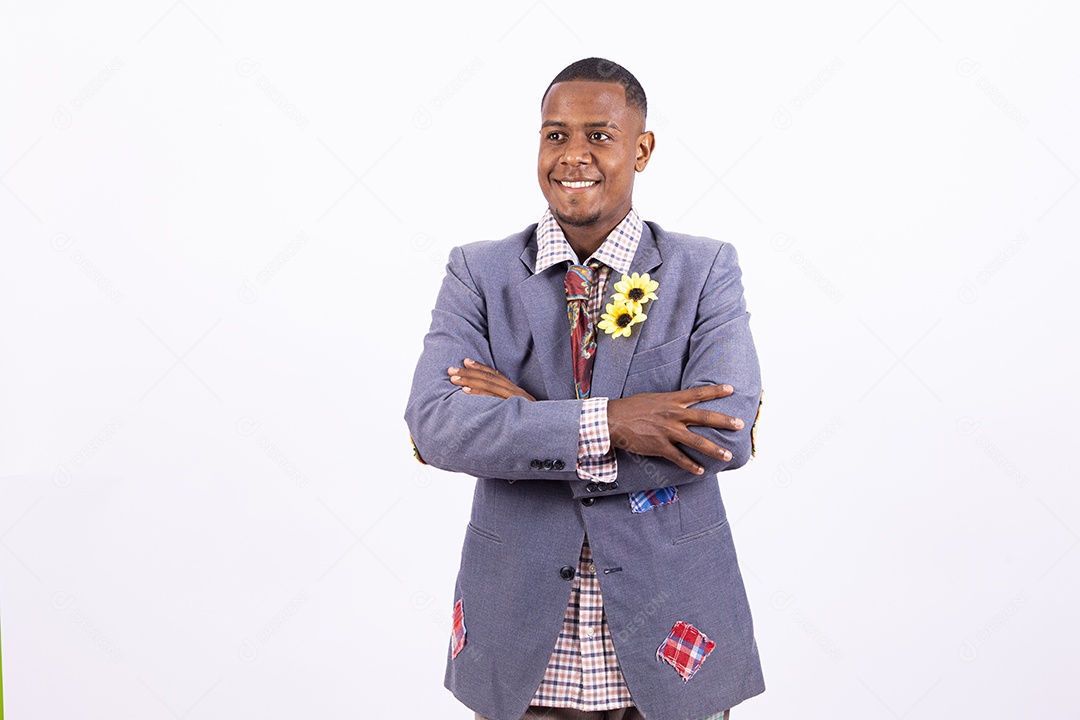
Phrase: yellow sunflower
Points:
(619, 319)
(636, 290)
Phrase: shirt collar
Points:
(616, 251)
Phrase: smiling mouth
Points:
(578, 184)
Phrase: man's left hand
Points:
(478, 379)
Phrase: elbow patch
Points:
(416, 451)
(753, 428)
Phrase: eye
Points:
(598, 136)
(554, 136)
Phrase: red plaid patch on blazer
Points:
(685, 648)
(458, 635)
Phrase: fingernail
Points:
(470, 361)
(727, 455)
(455, 378)
(738, 424)
(468, 390)
(728, 388)
(699, 470)
(453, 370)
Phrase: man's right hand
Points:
(654, 423)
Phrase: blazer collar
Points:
(613, 355)
(543, 298)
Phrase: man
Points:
(598, 577)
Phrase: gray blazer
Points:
(530, 511)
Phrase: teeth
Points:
(578, 184)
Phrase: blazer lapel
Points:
(543, 297)
(613, 355)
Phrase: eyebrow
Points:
(560, 123)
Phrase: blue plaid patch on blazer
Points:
(646, 500)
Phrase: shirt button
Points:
(589, 632)
(566, 572)
(592, 568)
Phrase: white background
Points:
(223, 229)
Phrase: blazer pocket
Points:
(669, 352)
(699, 533)
(486, 534)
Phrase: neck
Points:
(585, 241)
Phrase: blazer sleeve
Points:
(515, 438)
(721, 351)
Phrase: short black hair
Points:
(596, 69)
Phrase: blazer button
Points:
(613, 485)
(566, 572)
(587, 501)
(536, 464)
(548, 464)
(592, 487)
(559, 465)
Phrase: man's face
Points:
(591, 144)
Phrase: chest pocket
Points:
(658, 369)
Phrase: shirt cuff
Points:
(596, 457)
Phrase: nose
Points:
(576, 151)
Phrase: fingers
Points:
(701, 393)
(708, 418)
(691, 440)
(658, 424)
(475, 381)
(479, 379)
(476, 386)
(480, 368)
(683, 461)
(703, 445)
(474, 371)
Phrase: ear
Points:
(645, 143)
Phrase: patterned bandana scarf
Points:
(579, 281)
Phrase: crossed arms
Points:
(495, 427)
(652, 424)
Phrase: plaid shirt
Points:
(583, 672)
(596, 458)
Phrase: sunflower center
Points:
(623, 320)
(636, 294)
